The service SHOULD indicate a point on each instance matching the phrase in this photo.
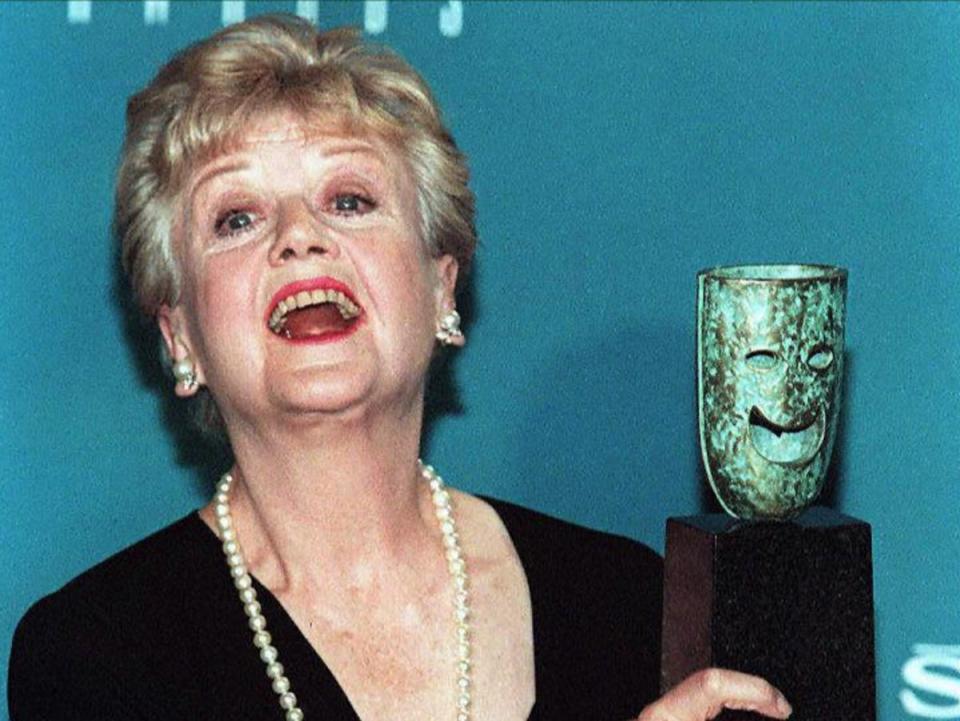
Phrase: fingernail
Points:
(783, 706)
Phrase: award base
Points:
(789, 601)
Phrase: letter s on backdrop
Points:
(921, 672)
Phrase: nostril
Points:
(287, 253)
(319, 250)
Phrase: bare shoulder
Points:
(482, 530)
(502, 612)
(496, 571)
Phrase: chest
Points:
(399, 659)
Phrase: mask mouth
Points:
(787, 445)
(318, 310)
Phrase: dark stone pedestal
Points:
(792, 602)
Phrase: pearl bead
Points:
(294, 714)
(275, 669)
(257, 623)
(281, 684)
(261, 639)
(288, 700)
(268, 654)
(252, 609)
(243, 582)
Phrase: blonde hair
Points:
(203, 99)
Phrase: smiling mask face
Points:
(770, 362)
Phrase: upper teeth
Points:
(348, 309)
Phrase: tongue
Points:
(315, 320)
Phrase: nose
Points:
(799, 391)
(299, 234)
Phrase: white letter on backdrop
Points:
(451, 19)
(156, 12)
(309, 10)
(79, 12)
(921, 673)
(375, 16)
(232, 11)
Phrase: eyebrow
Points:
(348, 146)
(215, 170)
(352, 145)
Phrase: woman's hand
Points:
(705, 694)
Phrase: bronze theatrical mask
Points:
(770, 364)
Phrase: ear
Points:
(447, 269)
(173, 328)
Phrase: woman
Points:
(295, 216)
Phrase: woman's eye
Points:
(233, 222)
(352, 204)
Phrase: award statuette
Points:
(775, 588)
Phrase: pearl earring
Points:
(185, 373)
(449, 330)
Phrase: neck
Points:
(340, 497)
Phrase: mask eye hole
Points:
(761, 360)
(820, 358)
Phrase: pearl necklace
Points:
(258, 624)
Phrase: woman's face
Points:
(305, 284)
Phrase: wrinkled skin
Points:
(770, 364)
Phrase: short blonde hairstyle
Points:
(205, 97)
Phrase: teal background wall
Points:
(616, 149)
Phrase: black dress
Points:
(156, 633)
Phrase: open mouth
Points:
(317, 310)
(788, 445)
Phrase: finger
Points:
(706, 693)
(722, 688)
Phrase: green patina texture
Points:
(770, 364)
